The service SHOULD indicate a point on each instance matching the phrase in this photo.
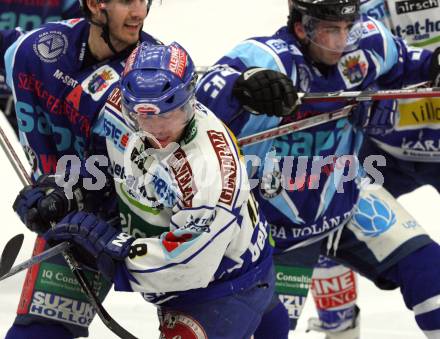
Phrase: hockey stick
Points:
(405, 93)
(68, 257)
(10, 253)
(295, 126)
(412, 91)
(49, 253)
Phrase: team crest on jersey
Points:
(175, 325)
(271, 185)
(353, 68)
(50, 46)
(98, 82)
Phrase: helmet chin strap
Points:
(105, 35)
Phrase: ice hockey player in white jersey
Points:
(178, 173)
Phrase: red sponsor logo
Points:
(114, 99)
(178, 61)
(55, 105)
(228, 166)
(184, 176)
(335, 291)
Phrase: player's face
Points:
(328, 40)
(165, 128)
(125, 19)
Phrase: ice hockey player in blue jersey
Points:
(61, 75)
(310, 188)
(28, 15)
(411, 149)
(210, 272)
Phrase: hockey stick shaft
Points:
(294, 126)
(406, 93)
(49, 253)
(67, 255)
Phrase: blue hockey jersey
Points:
(28, 15)
(303, 188)
(417, 132)
(57, 98)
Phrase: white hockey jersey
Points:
(194, 197)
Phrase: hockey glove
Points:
(434, 68)
(44, 202)
(374, 117)
(264, 91)
(106, 244)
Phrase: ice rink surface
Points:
(207, 29)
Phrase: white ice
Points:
(208, 29)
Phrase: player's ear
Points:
(298, 28)
(95, 7)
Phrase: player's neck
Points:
(98, 47)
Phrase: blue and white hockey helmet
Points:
(157, 79)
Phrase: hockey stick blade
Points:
(10, 253)
(51, 252)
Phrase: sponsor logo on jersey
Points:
(375, 9)
(178, 61)
(334, 291)
(373, 216)
(415, 114)
(115, 98)
(63, 309)
(228, 165)
(324, 225)
(408, 6)
(50, 46)
(115, 134)
(278, 45)
(97, 83)
(65, 78)
(199, 224)
(184, 176)
(52, 104)
(353, 67)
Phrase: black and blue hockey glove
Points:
(264, 91)
(103, 242)
(374, 117)
(45, 202)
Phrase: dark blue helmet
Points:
(157, 79)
